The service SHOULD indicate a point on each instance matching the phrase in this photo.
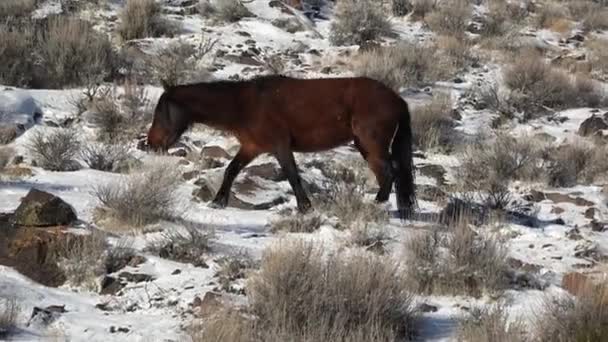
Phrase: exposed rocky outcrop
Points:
(42, 209)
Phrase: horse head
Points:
(169, 123)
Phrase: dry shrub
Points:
(490, 325)
(141, 198)
(231, 10)
(17, 8)
(420, 8)
(488, 167)
(464, 262)
(16, 45)
(106, 157)
(9, 314)
(400, 7)
(596, 20)
(455, 53)
(539, 85)
(432, 124)
(6, 154)
(568, 319)
(578, 162)
(119, 256)
(372, 237)
(188, 245)
(179, 62)
(82, 258)
(450, 17)
(231, 269)
(358, 22)
(550, 14)
(143, 18)
(297, 223)
(402, 65)
(72, 52)
(299, 294)
(598, 57)
(55, 151)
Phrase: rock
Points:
(269, 171)
(205, 193)
(590, 213)
(424, 307)
(539, 196)
(111, 286)
(114, 330)
(592, 125)
(45, 316)
(190, 175)
(576, 283)
(458, 209)
(42, 209)
(574, 234)
(243, 191)
(290, 24)
(429, 192)
(176, 271)
(180, 152)
(436, 172)
(136, 277)
(215, 152)
(557, 210)
(597, 226)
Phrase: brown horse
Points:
(281, 115)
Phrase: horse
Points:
(280, 115)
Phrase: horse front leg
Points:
(242, 158)
(289, 167)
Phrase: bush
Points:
(297, 223)
(596, 20)
(119, 256)
(232, 268)
(55, 151)
(59, 52)
(450, 17)
(574, 163)
(462, 263)
(403, 65)
(16, 8)
(299, 293)
(420, 8)
(9, 313)
(372, 237)
(550, 14)
(598, 57)
(81, 259)
(187, 245)
(540, 85)
(400, 7)
(490, 325)
(567, 319)
(488, 167)
(432, 124)
(232, 10)
(142, 198)
(105, 157)
(178, 63)
(358, 22)
(6, 154)
(142, 19)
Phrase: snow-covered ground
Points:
(159, 310)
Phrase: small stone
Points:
(136, 277)
(424, 307)
(110, 286)
(590, 213)
(177, 271)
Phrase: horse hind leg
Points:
(378, 160)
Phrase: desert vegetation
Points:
(9, 314)
(143, 18)
(56, 150)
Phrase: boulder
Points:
(269, 171)
(205, 193)
(42, 209)
(592, 125)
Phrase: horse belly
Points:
(317, 140)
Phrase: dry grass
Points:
(577, 162)
(420, 8)
(598, 57)
(297, 223)
(402, 65)
(16, 45)
(187, 245)
(300, 295)
(231, 10)
(400, 7)
(106, 157)
(550, 14)
(372, 237)
(179, 62)
(143, 18)
(55, 151)
(581, 319)
(9, 314)
(450, 17)
(358, 22)
(6, 154)
(141, 198)
(596, 20)
(432, 124)
(540, 85)
(231, 269)
(463, 262)
(17, 8)
(488, 167)
(490, 325)
(82, 259)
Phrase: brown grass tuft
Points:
(450, 17)
(432, 124)
(143, 18)
(358, 22)
(17, 8)
(490, 325)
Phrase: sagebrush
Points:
(56, 150)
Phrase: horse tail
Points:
(403, 165)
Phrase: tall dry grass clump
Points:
(598, 57)
(578, 162)
(574, 319)
(231, 10)
(56, 150)
(490, 325)
(358, 22)
(141, 198)
(460, 262)
(299, 292)
(9, 313)
(82, 259)
(16, 46)
(450, 17)
(143, 18)
(432, 124)
(17, 8)
(6, 154)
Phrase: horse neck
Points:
(213, 105)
